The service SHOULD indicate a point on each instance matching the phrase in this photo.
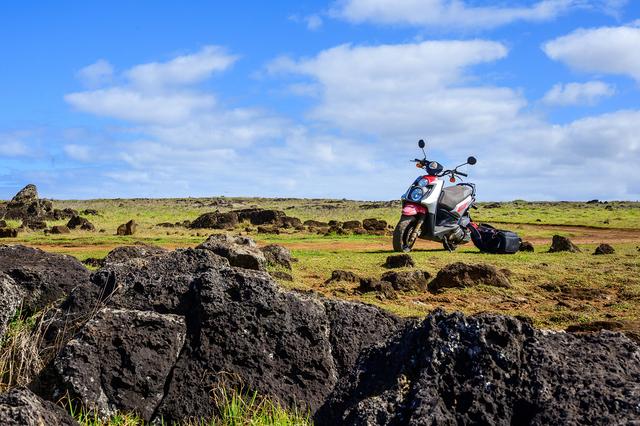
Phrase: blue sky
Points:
(319, 99)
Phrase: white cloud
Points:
(96, 74)
(313, 22)
(588, 93)
(157, 92)
(16, 144)
(448, 13)
(182, 70)
(78, 152)
(413, 88)
(611, 50)
(13, 148)
(141, 106)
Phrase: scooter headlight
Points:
(416, 194)
(423, 182)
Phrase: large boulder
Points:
(489, 369)
(560, 243)
(26, 204)
(44, 277)
(461, 275)
(240, 251)
(21, 407)
(156, 281)
(120, 361)
(282, 344)
(215, 220)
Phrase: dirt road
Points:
(578, 234)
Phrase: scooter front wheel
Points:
(402, 234)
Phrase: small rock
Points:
(215, 220)
(290, 222)
(374, 225)
(90, 212)
(128, 228)
(268, 230)
(385, 288)
(461, 275)
(560, 243)
(399, 261)
(277, 255)
(604, 249)
(526, 246)
(315, 224)
(240, 251)
(8, 233)
(34, 224)
(94, 262)
(21, 407)
(352, 224)
(280, 275)
(60, 229)
(340, 275)
(125, 253)
(407, 280)
(80, 222)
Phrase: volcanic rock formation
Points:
(157, 332)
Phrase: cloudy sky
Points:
(319, 98)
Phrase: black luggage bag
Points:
(491, 240)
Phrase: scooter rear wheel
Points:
(402, 233)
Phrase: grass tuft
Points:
(235, 408)
(21, 358)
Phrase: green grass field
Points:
(601, 287)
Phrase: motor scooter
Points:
(434, 212)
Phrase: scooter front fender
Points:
(412, 209)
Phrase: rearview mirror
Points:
(421, 143)
(472, 160)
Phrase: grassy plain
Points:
(553, 289)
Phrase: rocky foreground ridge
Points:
(155, 332)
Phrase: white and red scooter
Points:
(432, 212)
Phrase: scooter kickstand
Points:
(447, 245)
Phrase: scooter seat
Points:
(453, 195)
